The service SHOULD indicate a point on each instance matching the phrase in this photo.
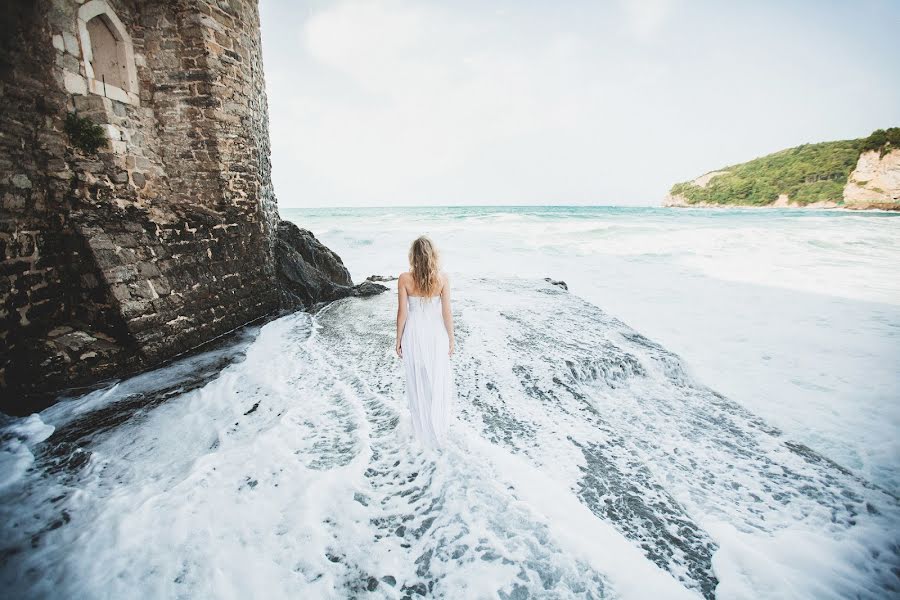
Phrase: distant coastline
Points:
(829, 206)
(861, 174)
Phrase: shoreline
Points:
(774, 206)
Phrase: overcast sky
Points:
(382, 103)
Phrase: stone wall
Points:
(164, 239)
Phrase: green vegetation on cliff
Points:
(883, 140)
(806, 174)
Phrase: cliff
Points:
(854, 174)
(137, 215)
(875, 183)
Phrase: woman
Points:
(425, 342)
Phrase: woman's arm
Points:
(402, 310)
(447, 313)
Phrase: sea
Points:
(709, 407)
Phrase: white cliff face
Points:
(875, 183)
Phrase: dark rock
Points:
(419, 588)
(390, 580)
(381, 278)
(558, 283)
(308, 271)
(368, 288)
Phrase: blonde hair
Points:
(424, 266)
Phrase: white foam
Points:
(792, 313)
(580, 532)
(793, 564)
(15, 453)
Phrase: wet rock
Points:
(308, 271)
(419, 588)
(390, 580)
(368, 288)
(558, 283)
(381, 278)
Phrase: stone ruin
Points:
(167, 236)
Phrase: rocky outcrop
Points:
(309, 273)
(679, 201)
(875, 183)
(854, 174)
(557, 283)
(369, 288)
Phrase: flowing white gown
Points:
(429, 380)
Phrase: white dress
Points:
(429, 380)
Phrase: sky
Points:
(401, 102)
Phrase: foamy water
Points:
(588, 459)
(794, 314)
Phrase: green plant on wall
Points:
(84, 133)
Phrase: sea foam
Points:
(585, 462)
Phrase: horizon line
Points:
(479, 206)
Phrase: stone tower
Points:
(115, 260)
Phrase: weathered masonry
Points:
(163, 239)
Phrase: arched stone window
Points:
(108, 53)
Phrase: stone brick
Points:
(121, 292)
(75, 84)
(21, 181)
(71, 43)
(142, 289)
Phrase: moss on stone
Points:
(84, 134)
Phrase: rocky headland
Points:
(861, 174)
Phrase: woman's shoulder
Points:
(445, 282)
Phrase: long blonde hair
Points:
(424, 266)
